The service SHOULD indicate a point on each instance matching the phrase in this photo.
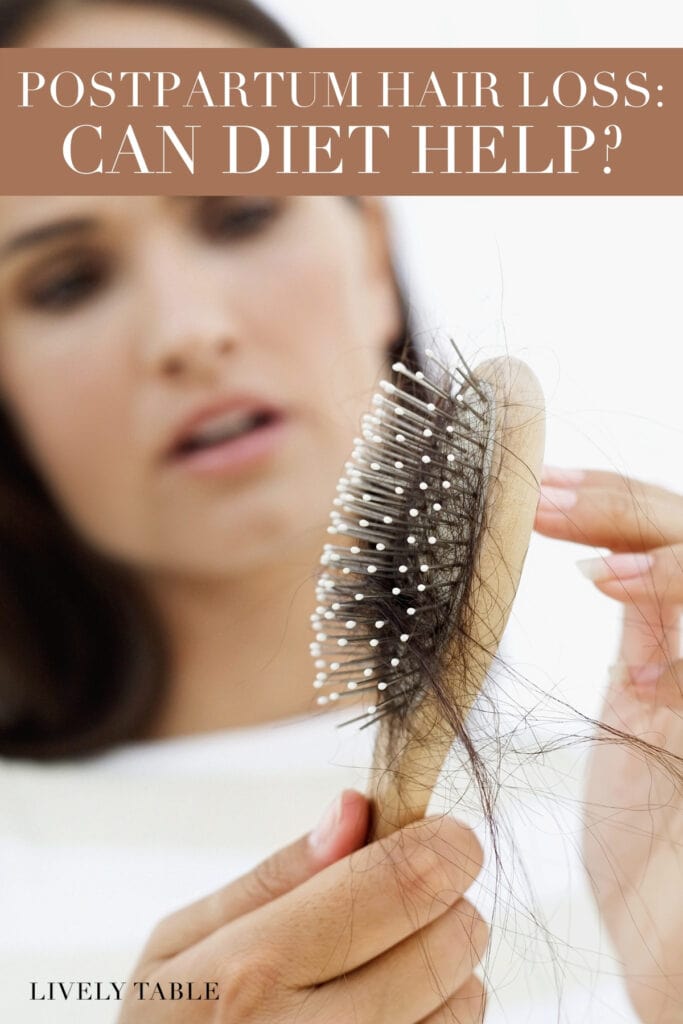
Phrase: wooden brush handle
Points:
(406, 768)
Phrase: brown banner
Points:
(340, 121)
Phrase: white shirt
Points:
(94, 853)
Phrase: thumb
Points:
(341, 830)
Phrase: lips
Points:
(222, 429)
(221, 425)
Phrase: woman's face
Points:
(122, 320)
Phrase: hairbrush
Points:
(431, 524)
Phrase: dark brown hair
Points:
(83, 657)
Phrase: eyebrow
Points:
(46, 233)
(57, 229)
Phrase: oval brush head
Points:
(431, 525)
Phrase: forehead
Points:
(122, 25)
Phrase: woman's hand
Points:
(319, 934)
(633, 838)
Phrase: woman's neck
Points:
(239, 648)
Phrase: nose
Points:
(187, 327)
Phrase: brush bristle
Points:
(406, 518)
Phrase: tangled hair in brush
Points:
(396, 604)
(409, 513)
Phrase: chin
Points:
(258, 543)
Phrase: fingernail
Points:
(615, 567)
(556, 499)
(560, 477)
(646, 675)
(326, 829)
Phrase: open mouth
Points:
(226, 429)
(230, 441)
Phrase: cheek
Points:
(70, 404)
(317, 320)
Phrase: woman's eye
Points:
(233, 219)
(65, 286)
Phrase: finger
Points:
(359, 907)
(654, 577)
(341, 830)
(467, 1006)
(658, 684)
(624, 517)
(418, 975)
(555, 476)
(650, 640)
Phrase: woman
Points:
(173, 323)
